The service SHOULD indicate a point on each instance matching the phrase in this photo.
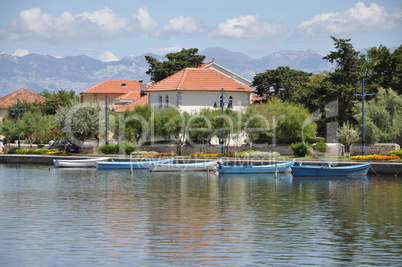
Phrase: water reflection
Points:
(88, 217)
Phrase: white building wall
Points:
(194, 101)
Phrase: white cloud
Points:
(34, 25)
(67, 28)
(20, 52)
(144, 21)
(248, 26)
(360, 18)
(181, 24)
(108, 56)
(164, 49)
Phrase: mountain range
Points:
(37, 72)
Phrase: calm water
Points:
(83, 217)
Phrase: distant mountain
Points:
(37, 72)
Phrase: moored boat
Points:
(284, 167)
(190, 167)
(309, 170)
(77, 162)
(130, 164)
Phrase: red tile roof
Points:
(203, 65)
(196, 79)
(139, 102)
(116, 87)
(128, 96)
(23, 95)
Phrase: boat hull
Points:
(74, 163)
(285, 167)
(187, 167)
(130, 164)
(353, 170)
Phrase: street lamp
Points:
(222, 103)
(106, 107)
(19, 109)
(363, 98)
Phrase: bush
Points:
(300, 149)
(396, 153)
(240, 154)
(114, 149)
(109, 149)
(128, 147)
(320, 146)
(259, 154)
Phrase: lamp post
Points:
(19, 109)
(106, 107)
(222, 104)
(363, 96)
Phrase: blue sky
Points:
(109, 30)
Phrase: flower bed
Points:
(205, 155)
(151, 153)
(37, 151)
(374, 157)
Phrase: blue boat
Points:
(285, 167)
(308, 170)
(130, 164)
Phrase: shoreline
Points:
(381, 167)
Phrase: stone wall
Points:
(378, 149)
(284, 150)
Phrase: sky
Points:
(109, 30)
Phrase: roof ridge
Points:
(183, 78)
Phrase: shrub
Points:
(109, 149)
(127, 146)
(240, 154)
(114, 149)
(396, 153)
(320, 146)
(40, 151)
(259, 154)
(300, 149)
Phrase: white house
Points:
(193, 89)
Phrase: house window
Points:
(167, 100)
(123, 85)
(230, 104)
(160, 102)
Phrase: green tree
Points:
(176, 127)
(34, 107)
(347, 63)
(35, 126)
(160, 117)
(383, 68)
(176, 62)
(347, 135)
(80, 121)
(56, 99)
(283, 82)
(285, 122)
(346, 77)
(383, 121)
(316, 97)
(133, 124)
(199, 129)
(256, 124)
(9, 128)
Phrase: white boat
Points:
(77, 162)
(107, 165)
(189, 167)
